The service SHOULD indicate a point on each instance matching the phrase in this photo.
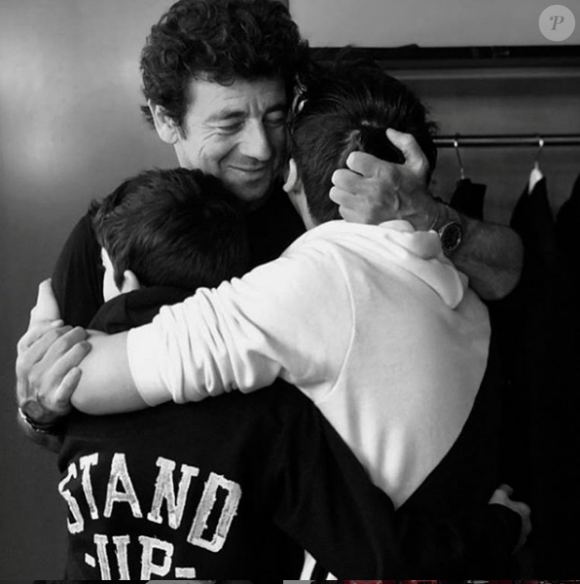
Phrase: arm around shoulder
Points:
(491, 255)
(106, 385)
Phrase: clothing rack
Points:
(495, 141)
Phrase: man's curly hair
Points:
(219, 41)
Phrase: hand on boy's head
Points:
(371, 190)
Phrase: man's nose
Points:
(256, 142)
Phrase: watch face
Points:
(451, 235)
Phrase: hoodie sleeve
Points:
(275, 321)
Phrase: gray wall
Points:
(70, 130)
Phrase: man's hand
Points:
(48, 356)
(501, 496)
(372, 190)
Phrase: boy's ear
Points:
(293, 182)
(164, 124)
(130, 282)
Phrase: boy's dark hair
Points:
(346, 107)
(218, 41)
(175, 227)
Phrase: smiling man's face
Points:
(237, 132)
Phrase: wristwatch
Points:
(449, 228)
(52, 428)
(451, 235)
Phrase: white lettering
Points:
(120, 473)
(185, 573)
(85, 462)
(121, 544)
(165, 491)
(149, 545)
(101, 541)
(207, 503)
(79, 524)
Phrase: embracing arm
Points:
(46, 373)
(372, 191)
(274, 322)
(49, 352)
(106, 384)
(490, 255)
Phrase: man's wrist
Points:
(444, 214)
(448, 223)
(52, 426)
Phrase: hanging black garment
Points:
(532, 219)
(539, 326)
(567, 222)
(515, 319)
(468, 198)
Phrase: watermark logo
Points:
(557, 23)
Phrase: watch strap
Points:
(53, 428)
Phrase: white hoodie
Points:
(372, 323)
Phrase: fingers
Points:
(34, 333)
(364, 164)
(368, 165)
(46, 307)
(525, 510)
(66, 341)
(502, 495)
(347, 180)
(506, 489)
(407, 144)
(33, 349)
(54, 378)
(65, 365)
(342, 197)
(60, 401)
(352, 208)
(498, 497)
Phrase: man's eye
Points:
(275, 121)
(231, 128)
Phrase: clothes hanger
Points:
(539, 154)
(536, 175)
(468, 197)
(456, 148)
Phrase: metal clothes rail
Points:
(495, 141)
